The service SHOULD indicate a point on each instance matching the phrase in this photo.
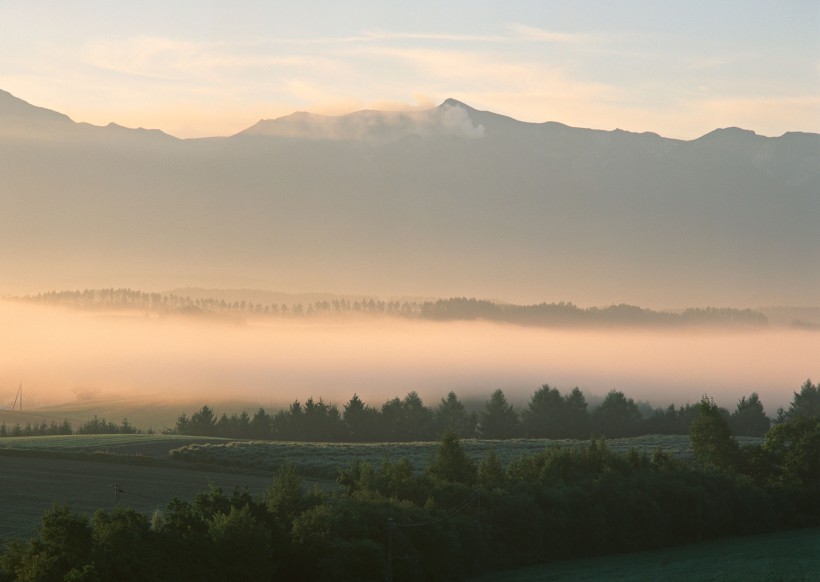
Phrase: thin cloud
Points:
(531, 33)
(166, 59)
(379, 35)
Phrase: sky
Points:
(203, 68)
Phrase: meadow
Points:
(84, 471)
(323, 460)
(790, 555)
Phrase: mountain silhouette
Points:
(437, 202)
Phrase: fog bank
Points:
(62, 356)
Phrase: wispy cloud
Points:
(532, 33)
(165, 58)
(383, 35)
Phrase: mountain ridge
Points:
(447, 201)
(10, 105)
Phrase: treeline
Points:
(96, 425)
(453, 309)
(450, 520)
(549, 414)
(36, 429)
(568, 314)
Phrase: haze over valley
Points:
(441, 202)
(448, 201)
(376, 291)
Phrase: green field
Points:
(81, 470)
(325, 459)
(784, 556)
(122, 444)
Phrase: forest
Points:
(453, 518)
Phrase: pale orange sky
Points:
(199, 69)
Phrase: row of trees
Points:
(453, 519)
(549, 414)
(36, 429)
(96, 425)
(456, 308)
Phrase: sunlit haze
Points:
(67, 356)
(198, 69)
(392, 151)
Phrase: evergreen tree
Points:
(617, 416)
(202, 423)
(451, 463)
(712, 440)
(260, 425)
(805, 403)
(576, 414)
(498, 420)
(544, 416)
(360, 420)
(749, 419)
(452, 416)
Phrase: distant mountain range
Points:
(450, 201)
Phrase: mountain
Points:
(450, 119)
(21, 120)
(448, 201)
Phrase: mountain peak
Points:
(450, 102)
(731, 133)
(451, 118)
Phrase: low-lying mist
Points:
(62, 355)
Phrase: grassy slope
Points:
(325, 459)
(791, 555)
(30, 485)
(145, 444)
(35, 471)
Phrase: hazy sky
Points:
(196, 68)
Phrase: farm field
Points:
(81, 470)
(154, 445)
(31, 485)
(786, 556)
(325, 459)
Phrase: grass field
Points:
(31, 485)
(123, 444)
(81, 470)
(784, 556)
(325, 459)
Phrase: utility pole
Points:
(391, 525)
(19, 396)
(117, 492)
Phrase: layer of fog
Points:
(62, 356)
